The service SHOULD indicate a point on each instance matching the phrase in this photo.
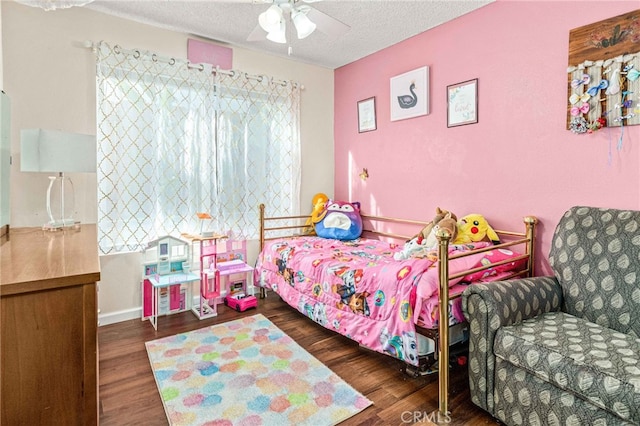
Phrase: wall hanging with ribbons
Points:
(604, 75)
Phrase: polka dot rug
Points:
(247, 372)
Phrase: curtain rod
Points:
(137, 53)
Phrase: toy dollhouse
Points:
(167, 278)
(223, 270)
(173, 267)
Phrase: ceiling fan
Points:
(54, 4)
(305, 19)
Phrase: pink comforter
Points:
(426, 307)
(353, 287)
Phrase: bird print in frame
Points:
(410, 94)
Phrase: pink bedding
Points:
(357, 289)
(426, 312)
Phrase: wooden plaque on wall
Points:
(597, 50)
(605, 39)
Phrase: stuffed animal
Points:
(473, 228)
(411, 247)
(426, 239)
(440, 214)
(450, 221)
(419, 246)
(340, 220)
(318, 202)
(449, 224)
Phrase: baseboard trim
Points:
(119, 316)
(136, 313)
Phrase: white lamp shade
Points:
(54, 151)
(270, 19)
(303, 24)
(278, 36)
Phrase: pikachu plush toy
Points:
(473, 228)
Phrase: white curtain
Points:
(175, 139)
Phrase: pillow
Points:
(495, 256)
(340, 221)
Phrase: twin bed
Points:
(358, 289)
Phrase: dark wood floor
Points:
(128, 393)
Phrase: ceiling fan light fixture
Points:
(54, 4)
(303, 24)
(271, 19)
(279, 35)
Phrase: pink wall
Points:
(518, 159)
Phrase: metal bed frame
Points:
(441, 334)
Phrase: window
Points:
(174, 140)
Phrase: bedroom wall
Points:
(50, 78)
(1, 63)
(518, 159)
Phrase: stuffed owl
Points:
(340, 220)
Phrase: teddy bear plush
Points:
(440, 214)
(449, 224)
(426, 239)
(473, 228)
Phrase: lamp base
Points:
(60, 203)
(61, 224)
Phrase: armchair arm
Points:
(490, 306)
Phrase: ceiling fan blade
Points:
(258, 34)
(326, 24)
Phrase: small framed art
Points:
(410, 94)
(462, 103)
(367, 115)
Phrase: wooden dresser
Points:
(48, 324)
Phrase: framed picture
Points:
(462, 103)
(410, 94)
(367, 115)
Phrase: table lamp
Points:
(58, 152)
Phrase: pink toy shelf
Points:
(233, 269)
(223, 271)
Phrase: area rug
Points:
(247, 372)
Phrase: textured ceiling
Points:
(375, 24)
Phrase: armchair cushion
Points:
(490, 306)
(594, 255)
(525, 399)
(577, 356)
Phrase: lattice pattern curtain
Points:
(175, 139)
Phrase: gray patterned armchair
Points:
(563, 349)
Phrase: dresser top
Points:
(32, 259)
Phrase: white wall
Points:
(1, 74)
(50, 78)
(5, 211)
